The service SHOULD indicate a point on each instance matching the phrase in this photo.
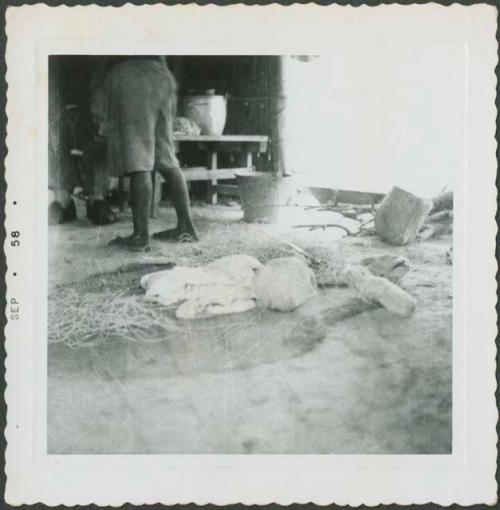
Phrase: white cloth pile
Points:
(231, 284)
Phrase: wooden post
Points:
(212, 165)
(277, 120)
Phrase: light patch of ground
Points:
(311, 381)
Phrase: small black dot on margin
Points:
(15, 203)
(15, 274)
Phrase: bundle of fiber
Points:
(379, 290)
(284, 284)
(185, 126)
(392, 267)
(387, 265)
(221, 287)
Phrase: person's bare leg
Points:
(141, 189)
(177, 187)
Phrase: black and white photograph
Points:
(253, 254)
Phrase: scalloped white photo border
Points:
(466, 477)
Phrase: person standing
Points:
(137, 115)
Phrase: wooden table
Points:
(245, 146)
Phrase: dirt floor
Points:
(322, 379)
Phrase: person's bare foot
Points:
(133, 242)
(178, 234)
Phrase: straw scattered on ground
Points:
(94, 295)
(88, 319)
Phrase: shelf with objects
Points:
(243, 146)
(222, 122)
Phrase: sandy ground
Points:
(311, 381)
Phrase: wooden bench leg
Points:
(249, 160)
(212, 165)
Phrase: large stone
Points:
(400, 216)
